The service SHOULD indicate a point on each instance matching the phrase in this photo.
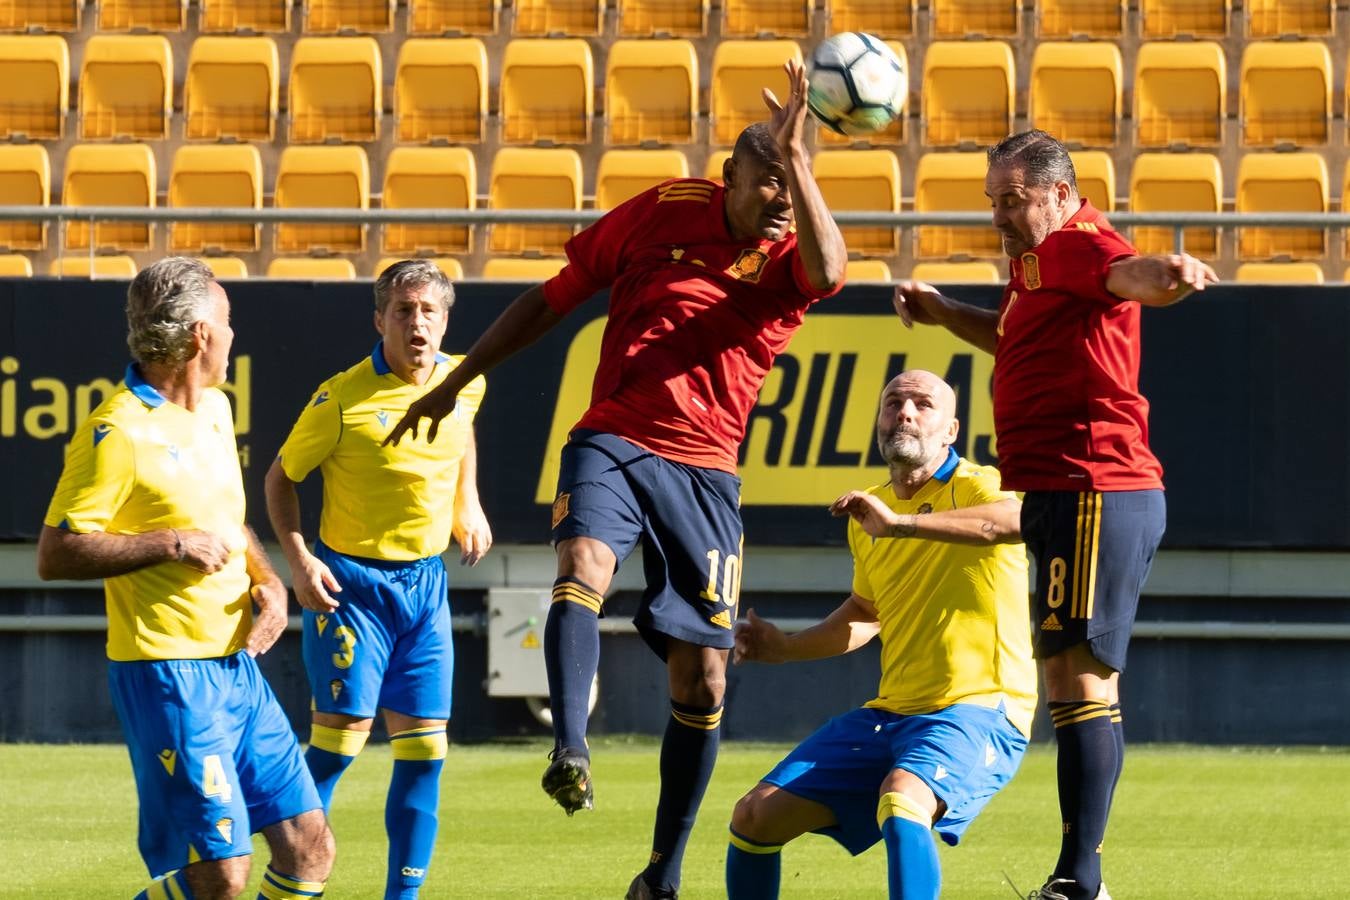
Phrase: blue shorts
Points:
(388, 645)
(964, 753)
(1093, 552)
(214, 757)
(687, 517)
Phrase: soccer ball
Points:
(856, 84)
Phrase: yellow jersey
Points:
(954, 617)
(140, 463)
(391, 503)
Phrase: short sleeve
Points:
(96, 481)
(979, 485)
(1080, 261)
(595, 255)
(313, 436)
(860, 544)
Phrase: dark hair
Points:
(1044, 161)
(757, 143)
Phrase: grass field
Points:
(1188, 822)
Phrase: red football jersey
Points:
(1067, 407)
(696, 319)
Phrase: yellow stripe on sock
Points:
(746, 846)
(420, 743)
(276, 886)
(342, 741)
(704, 722)
(900, 806)
(157, 891)
(1081, 713)
(570, 592)
(175, 891)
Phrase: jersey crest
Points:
(1031, 271)
(749, 265)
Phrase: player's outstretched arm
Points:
(470, 530)
(851, 625)
(919, 303)
(67, 555)
(269, 598)
(313, 582)
(522, 323)
(1158, 280)
(986, 523)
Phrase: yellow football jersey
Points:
(396, 502)
(954, 617)
(138, 464)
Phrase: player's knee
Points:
(304, 847)
(747, 818)
(219, 879)
(587, 560)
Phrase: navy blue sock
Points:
(1118, 730)
(754, 870)
(913, 870)
(688, 754)
(411, 809)
(1088, 764)
(571, 657)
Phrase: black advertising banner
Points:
(1250, 393)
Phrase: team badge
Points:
(226, 829)
(924, 509)
(560, 508)
(749, 265)
(335, 686)
(1031, 271)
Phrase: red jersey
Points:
(1067, 407)
(696, 319)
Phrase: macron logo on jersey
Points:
(383, 417)
(100, 432)
(321, 397)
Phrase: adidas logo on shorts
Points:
(1051, 623)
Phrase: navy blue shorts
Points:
(688, 519)
(1093, 552)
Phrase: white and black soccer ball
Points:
(857, 85)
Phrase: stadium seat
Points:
(770, 18)
(547, 89)
(220, 176)
(885, 18)
(429, 178)
(957, 273)
(540, 18)
(304, 268)
(861, 180)
(41, 15)
(434, 18)
(1176, 182)
(508, 269)
(1286, 93)
(15, 265)
(651, 92)
(1076, 92)
(1172, 18)
(1282, 182)
(866, 270)
(118, 267)
(226, 267)
(348, 16)
(322, 176)
(34, 84)
(964, 18)
(441, 90)
(893, 133)
(25, 180)
(452, 267)
(142, 15)
(626, 173)
(968, 93)
(740, 71)
(533, 178)
(1180, 94)
(1280, 273)
(231, 89)
(672, 18)
(1096, 176)
(334, 91)
(953, 182)
(229, 16)
(126, 87)
(1294, 18)
(109, 175)
(712, 169)
(1070, 18)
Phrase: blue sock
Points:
(913, 872)
(1088, 764)
(410, 812)
(331, 751)
(173, 886)
(754, 871)
(571, 658)
(688, 754)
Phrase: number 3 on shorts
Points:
(346, 641)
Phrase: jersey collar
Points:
(944, 472)
(1086, 213)
(382, 367)
(142, 388)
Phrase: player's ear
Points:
(953, 429)
(379, 322)
(728, 171)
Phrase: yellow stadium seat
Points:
(40, 15)
(509, 269)
(142, 15)
(893, 133)
(1096, 176)
(672, 18)
(651, 92)
(953, 182)
(347, 16)
(1286, 93)
(779, 18)
(336, 177)
(118, 267)
(429, 178)
(229, 16)
(226, 267)
(1278, 18)
(1069, 18)
(581, 18)
(1180, 94)
(231, 89)
(533, 178)
(304, 268)
(451, 267)
(712, 170)
(34, 79)
(740, 71)
(957, 273)
(1176, 182)
(1076, 92)
(861, 180)
(335, 90)
(884, 18)
(968, 91)
(1170, 18)
(441, 90)
(25, 180)
(547, 89)
(1282, 182)
(13, 265)
(109, 175)
(223, 175)
(865, 270)
(627, 173)
(434, 18)
(126, 87)
(963, 18)
(1280, 273)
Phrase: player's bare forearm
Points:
(471, 529)
(852, 624)
(256, 563)
(283, 511)
(973, 324)
(989, 523)
(1158, 280)
(66, 555)
(528, 318)
(819, 241)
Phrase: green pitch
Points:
(1188, 822)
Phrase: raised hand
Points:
(434, 405)
(788, 122)
(867, 510)
(917, 302)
